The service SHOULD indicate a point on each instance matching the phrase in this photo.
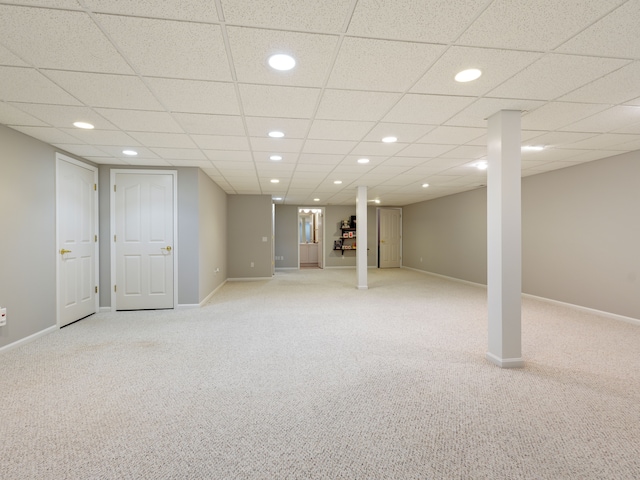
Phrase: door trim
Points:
(96, 219)
(112, 227)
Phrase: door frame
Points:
(322, 234)
(96, 219)
(378, 209)
(112, 215)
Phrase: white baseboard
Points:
(28, 339)
(601, 313)
(286, 268)
(505, 362)
(247, 279)
(104, 310)
(210, 296)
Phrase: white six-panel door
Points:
(143, 240)
(77, 232)
(390, 237)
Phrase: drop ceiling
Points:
(187, 84)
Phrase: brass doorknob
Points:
(63, 251)
(168, 248)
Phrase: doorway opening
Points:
(310, 237)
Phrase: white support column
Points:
(504, 239)
(361, 238)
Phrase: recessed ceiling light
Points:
(275, 180)
(282, 62)
(276, 134)
(277, 198)
(532, 148)
(338, 182)
(363, 160)
(468, 75)
(482, 165)
(316, 199)
(275, 158)
(85, 125)
(131, 153)
(390, 139)
(425, 185)
(376, 201)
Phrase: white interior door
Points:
(144, 240)
(390, 237)
(77, 232)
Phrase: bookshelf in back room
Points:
(347, 241)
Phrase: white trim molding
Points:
(30, 338)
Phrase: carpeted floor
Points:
(306, 377)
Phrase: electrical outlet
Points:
(251, 264)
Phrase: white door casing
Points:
(390, 241)
(321, 238)
(76, 239)
(144, 249)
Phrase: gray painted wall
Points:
(27, 235)
(448, 236)
(213, 235)
(249, 221)
(286, 241)
(580, 235)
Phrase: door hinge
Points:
(114, 238)
(95, 187)
(114, 188)
(96, 289)
(115, 288)
(95, 238)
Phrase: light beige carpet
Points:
(306, 377)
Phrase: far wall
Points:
(580, 235)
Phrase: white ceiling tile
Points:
(170, 49)
(102, 90)
(196, 10)
(554, 115)
(617, 87)
(108, 161)
(193, 96)
(231, 166)
(445, 135)
(140, 120)
(630, 128)
(65, 115)
(59, 39)
(404, 132)
(609, 141)
(165, 140)
(328, 146)
(555, 139)
(228, 155)
(438, 21)
(251, 49)
(320, 158)
(179, 153)
(476, 114)
(496, 66)
(607, 120)
(221, 142)
(29, 85)
(276, 145)
(427, 109)
(9, 59)
(190, 163)
(325, 16)
(405, 161)
(555, 75)
(635, 102)
(291, 127)
(116, 152)
(632, 145)
(377, 148)
(47, 134)
(591, 155)
(273, 101)
(352, 105)
(149, 162)
(425, 150)
(522, 25)
(202, 124)
(101, 137)
(313, 169)
(466, 152)
(394, 67)
(339, 130)
(11, 115)
(82, 150)
(615, 35)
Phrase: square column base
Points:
(505, 362)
